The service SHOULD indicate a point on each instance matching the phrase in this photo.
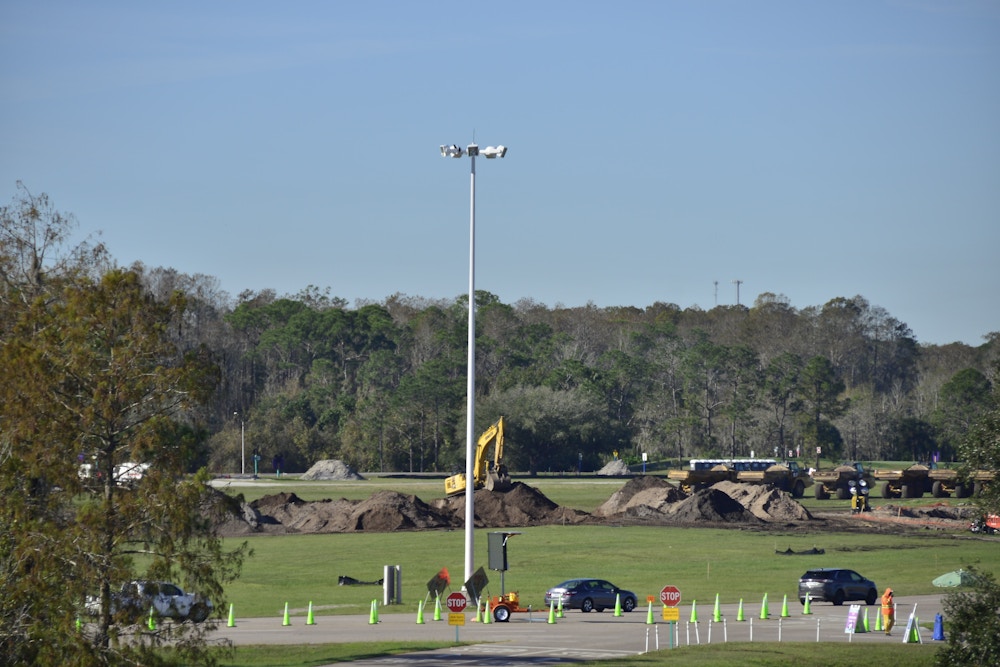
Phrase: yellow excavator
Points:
(493, 474)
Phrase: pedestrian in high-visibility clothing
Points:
(888, 611)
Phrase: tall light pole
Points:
(472, 150)
(243, 446)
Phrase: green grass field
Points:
(703, 562)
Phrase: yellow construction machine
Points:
(493, 474)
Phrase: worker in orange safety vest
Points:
(888, 611)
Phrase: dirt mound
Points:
(646, 499)
(711, 505)
(765, 502)
(614, 468)
(521, 505)
(644, 491)
(330, 469)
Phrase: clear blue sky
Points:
(811, 149)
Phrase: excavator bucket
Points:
(498, 480)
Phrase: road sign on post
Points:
(670, 596)
(456, 603)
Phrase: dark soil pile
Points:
(765, 502)
(639, 496)
(643, 499)
(521, 505)
(711, 505)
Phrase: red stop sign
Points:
(670, 596)
(456, 602)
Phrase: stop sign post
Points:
(456, 608)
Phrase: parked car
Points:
(589, 595)
(836, 585)
(136, 598)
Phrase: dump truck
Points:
(703, 473)
(487, 474)
(836, 482)
(786, 475)
(918, 479)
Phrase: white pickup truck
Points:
(136, 598)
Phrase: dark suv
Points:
(836, 585)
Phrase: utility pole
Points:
(737, 283)
(716, 283)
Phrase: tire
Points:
(501, 614)
(905, 492)
(820, 492)
(838, 598)
(802, 601)
(961, 491)
(799, 489)
(872, 597)
(843, 493)
(198, 613)
(628, 604)
(937, 490)
(977, 489)
(886, 491)
(587, 605)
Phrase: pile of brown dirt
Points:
(645, 499)
(521, 505)
(638, 494)
(615, 468)
(765, 502)
(711, 505)
(330, 469)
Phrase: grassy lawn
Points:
(787, 654)
(702, 562)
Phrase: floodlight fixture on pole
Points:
(490, 152)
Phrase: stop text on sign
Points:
(670, 596)
(456, 602)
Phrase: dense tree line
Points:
(382, 385)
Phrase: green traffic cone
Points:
(420, 613)
(914, 636)
(559, 608)
(231, 623)
(284, 619)
(310, 620)
(618, 604)
(151, 624)
(739, 612)
(694, 611)
(878, 622)
(763, 608)
(488, 613)
(552, 613)
(806, 608)
(865, 620)
(79, 624)
(649, 615)
(437, 607)
(479, 613)
(784, 607)
(717, 614)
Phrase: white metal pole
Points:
(243, 449)
(470, 409)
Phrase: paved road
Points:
(531, 640)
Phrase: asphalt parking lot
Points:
(531, 639)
